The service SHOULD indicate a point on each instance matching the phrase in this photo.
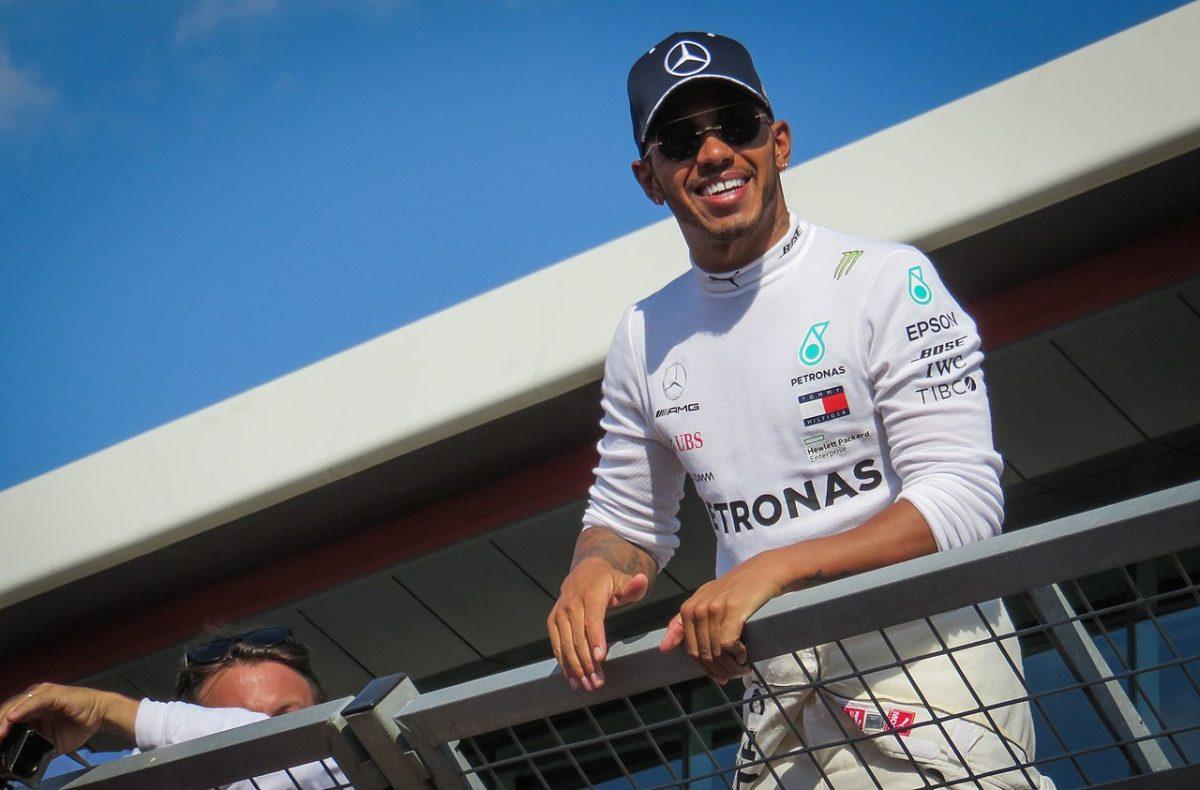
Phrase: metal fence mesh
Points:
(324, 775)
(1129, 705)
(910, 676)
(319, 775)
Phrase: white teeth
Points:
(718, 187)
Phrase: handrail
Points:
(305, 736)
(1133, 530)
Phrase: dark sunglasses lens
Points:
(678, 141)
(219, 649)
(739, 125)
(268, 637)
(210, 652)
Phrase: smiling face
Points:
(727, 198)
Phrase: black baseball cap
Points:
(679, 59)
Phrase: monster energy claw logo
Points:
(812, 347)
(849, 258)
(918, 290)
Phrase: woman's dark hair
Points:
(290, 653)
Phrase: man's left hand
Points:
(709, 624)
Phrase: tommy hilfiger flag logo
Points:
(824, 405)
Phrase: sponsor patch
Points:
(849, 258)
(791, 242)
(794, 501)
(918, 289)
(819, 447)
(902, 721)
(898, 720)
(944, 367)
(674, 381)
(945, 391)
(824, 405)
(812, 347)
(857, 714)
(667, 412)
(817, 375)
(932, 325)
(938, 349)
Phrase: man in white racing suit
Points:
(824, 394)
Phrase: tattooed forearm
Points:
(819, 576)
(622, 555)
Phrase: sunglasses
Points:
(736, 124)
(220, 649)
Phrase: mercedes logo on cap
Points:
(674, 380)
(687, 58)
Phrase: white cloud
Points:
(23, 95)
(207, 15)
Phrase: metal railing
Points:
(302, 749)
(1105, 612)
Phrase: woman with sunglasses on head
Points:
(225, 682)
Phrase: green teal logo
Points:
(812, 347)
(918, 290)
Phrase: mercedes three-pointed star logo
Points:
(674, 380)
(687, 58)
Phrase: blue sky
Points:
(198, 196)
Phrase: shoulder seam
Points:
(640, 360)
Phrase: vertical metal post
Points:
(409, 759)
(371, 716)
(354, 760)
(1117, 712)
(1145, 652)
(688, 751)
(447, 767)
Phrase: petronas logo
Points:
(812, 347)
(918, 290)
(849, 258)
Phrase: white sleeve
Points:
(639, 481)
(165, 723)
(923, 356)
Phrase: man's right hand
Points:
(607, 572)
(68, 716)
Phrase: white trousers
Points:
(905, 750)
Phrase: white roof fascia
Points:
(1102, 112)
(1095, 115)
